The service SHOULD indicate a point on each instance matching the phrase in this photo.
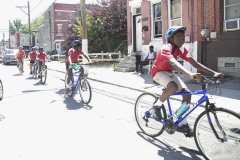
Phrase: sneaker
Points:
(157, 113)
(186, 130)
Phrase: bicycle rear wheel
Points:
(43, 75)
(1, 90)
(85, 90)
(207, 142)
(144, 115)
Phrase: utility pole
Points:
(28, 14)
(84, 27)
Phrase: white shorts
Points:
(163, 78)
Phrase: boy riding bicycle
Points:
(32, 57)
(41, 57)
(20, 56)
(162, 71)
(71, 58)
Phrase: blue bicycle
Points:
(216, 130)
(80, 83)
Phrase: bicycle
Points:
(1, 90)
(216, 130)
(43, 72)
(80, 83)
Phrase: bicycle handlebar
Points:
(210, 80)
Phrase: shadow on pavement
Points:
(73, 104)
(170, 152)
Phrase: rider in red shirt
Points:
(162, 72)
(20, 56)
(42, 58)
(72, 57)
(32, 57)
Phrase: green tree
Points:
(106, 26)
(15, 26)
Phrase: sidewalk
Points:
(102, 72)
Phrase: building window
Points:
(232, 14)
(59, 15)
(176, 12)
(157, 20)
(59, 30)
(138, 10)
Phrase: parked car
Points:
(1, 55)
(9, 57)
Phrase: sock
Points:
(158, 103)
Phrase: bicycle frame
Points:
(203, 99)
(75, 84)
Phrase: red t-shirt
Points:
(74, 55)
(42, 56)
(32, 55)
(161, 62)
(21, 54)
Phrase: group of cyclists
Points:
(37, 55)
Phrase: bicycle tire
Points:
(1, 90)
(34, 71)
(72, 88)
(85, 90)
(206, 141)
(20, 67)
(43, 75)
(143, 115)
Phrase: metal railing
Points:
(98, 57)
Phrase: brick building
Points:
(212, 36)
(57, 19)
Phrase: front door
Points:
(138, 31)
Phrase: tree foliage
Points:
(106, 26)
(17, 26)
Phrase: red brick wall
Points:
(64, 16)
(164, 18)
(129, 24)
(146, 14)
(209, 16)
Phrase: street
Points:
(40, 123)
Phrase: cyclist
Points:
(41, 58)
(162, 72)
(32, 57)
(20, 56)
(72, 58)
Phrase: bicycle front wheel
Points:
(20, 67)
(1, 90)
(206, 140)
(43, 75)
(85, 90)
(34, 71)
(144, 115)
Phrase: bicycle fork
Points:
(211, 109)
